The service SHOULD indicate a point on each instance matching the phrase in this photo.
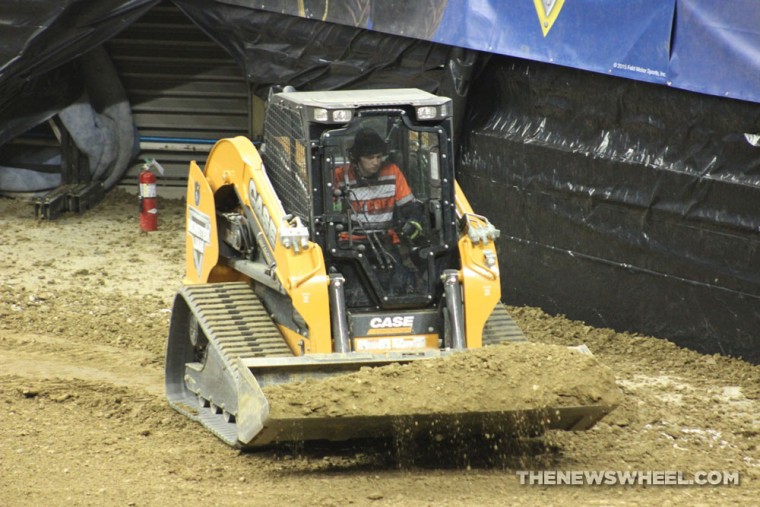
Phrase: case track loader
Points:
(287, 279)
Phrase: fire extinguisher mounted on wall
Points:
(148, 197)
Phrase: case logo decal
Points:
(406, 321)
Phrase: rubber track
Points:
(235, 321)
(500, 328)
(236, 325)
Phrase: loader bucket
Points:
(260, 424)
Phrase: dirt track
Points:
(84, 311)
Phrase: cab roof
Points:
(362, 98)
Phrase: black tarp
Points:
(45, 67)
(41, 40)
(276, 49)
(39, 43)
(623, 204)
(52, 64)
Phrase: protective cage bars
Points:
(286, 159)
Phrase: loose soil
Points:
(510, 377)
(84, 310)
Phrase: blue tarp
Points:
(620, 37)
(716, 48)
(708, 46)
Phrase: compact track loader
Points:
(287, 279)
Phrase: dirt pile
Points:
(494, 379)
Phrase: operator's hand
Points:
(411, 230)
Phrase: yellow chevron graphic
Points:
(548, 10)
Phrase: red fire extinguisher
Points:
(148, 196)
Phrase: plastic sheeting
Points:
(621, 203)
(51, 63)
(274, 49)
(39, 41)
(42, 40)
(98, 119)
(708, 46)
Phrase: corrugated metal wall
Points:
(185, 91)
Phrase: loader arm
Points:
(296, 263)
(479, 273)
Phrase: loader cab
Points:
(385, 231)
(392, 259)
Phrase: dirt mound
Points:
(500, 378)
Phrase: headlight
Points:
(320, 114)
(427, 113)
(323, 115)
(342, 115)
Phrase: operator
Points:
(385, 208)
(377, 189)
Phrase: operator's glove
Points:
(411, 230)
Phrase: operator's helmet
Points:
(367, 142)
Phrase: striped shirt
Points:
(374, 198)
